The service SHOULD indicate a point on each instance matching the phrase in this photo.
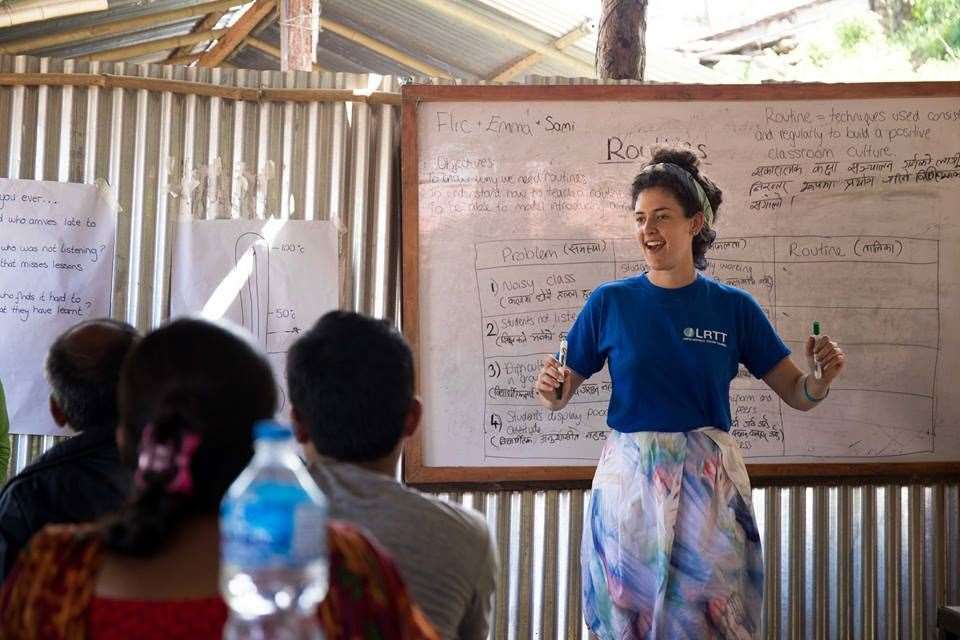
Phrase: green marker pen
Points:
(817, 369)
(562, 360)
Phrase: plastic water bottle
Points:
(274, 561)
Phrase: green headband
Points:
(689, 182)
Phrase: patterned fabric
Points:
(671, 549)
(47, 593)
(367, 599)
(49, 596)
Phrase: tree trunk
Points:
(892, 12)
(621, 42)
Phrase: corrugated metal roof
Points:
(412, 27)
(77, 49)
(119, 10)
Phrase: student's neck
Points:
(193, 548)
(385, 466)
(673, 278)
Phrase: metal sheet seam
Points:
(41, 130)
(66, 127)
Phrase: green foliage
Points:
(933, 30)
(817, 54)
(851, 33)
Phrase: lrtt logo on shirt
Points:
(705, 335)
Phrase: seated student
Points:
(351, 389)
(152, 570)
(82, 478)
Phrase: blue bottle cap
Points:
(270, 430)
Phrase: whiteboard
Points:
(840, 209)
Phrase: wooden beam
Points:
(104, 29)
(163, 44)
(523, 63)
(184, 60)
(299, 28)
(237, 33)
(265, 47)
(209, 22)
(478, 21)
(14, 13)
(382, 48)
(270, 50)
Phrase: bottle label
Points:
(272, 525)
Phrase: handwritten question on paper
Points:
(33, 241)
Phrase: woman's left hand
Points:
(830, 356)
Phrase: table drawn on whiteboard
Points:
(532, 289)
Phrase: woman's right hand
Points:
(549, 380)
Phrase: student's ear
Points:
(57, 413)
(412, 421)
(696, 223)
(299, 430)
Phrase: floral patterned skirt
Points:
(671, 548)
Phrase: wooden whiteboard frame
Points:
(415, 472)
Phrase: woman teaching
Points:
(671, 549)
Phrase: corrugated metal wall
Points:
(842, 562)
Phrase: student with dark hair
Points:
(670, 547)
(82, 478)
(351, 386)
(190, 394)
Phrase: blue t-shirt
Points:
(671, 352)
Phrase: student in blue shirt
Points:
(671, 548)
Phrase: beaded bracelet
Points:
(807, 393)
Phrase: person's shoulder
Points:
(59, 559)
(66, 469)
(63, 544)
(617, 289)
(32, 483)
(83, 448)
(468, 523)
(630, 283)
(51, 456)
(84, 534)
(727, 291)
